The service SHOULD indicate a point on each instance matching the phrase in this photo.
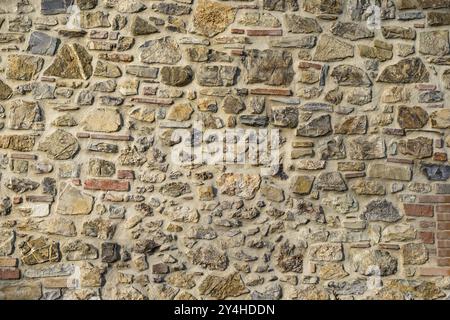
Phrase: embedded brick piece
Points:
(106, 185)
(418, 210)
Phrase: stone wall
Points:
(95, 98)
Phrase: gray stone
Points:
(381, 210)
(351, 30)
(331, 181)
(272, 67)
(410, 70)
(163, 50)
(42, 43)
(317, 127)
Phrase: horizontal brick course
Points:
(9, 274)
(106, 185)
(418, 210)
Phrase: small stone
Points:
(175, 189)
(101, 168)
(91, 20)
(302, 185)
(23, 67)
(110, 252)
(342, 204)
(331, 181)
(238, 184)
(17, 142)
(163, 50)
(272, 192)
(272, 67)
(208, 257)
(332, 271)
(348, 75)
(24, 114)
(223, 287)
(284, 116)
(412, 117)
(107, 70)
(367, 148)
(7, 241)
(350, 30)
(176, 76)
(49, 7)
(367, 187)
(78, 250)
(326, 252)
(349, 288)
(259, 19)
(440, 119)
(41, 43)
(140, 27)
(217, 75)
(436, 18)
(299, 24)
(381, 210)
(374, 262)
(254, 120)
(232, 104)
(352, 125)
(410, 70)
(436, 172)
(395, 32)
(398, 232)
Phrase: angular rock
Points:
(330, 48)
(435, 172)
(23, 67)
(398, 233)
(60, 145)
(238, 184)
(412, 117)
(103, 120)
(211, 18)
(367, 148)
(24, 114)
(348, 75)
(381, 210)
(78, 250)
(351, 30)
(410, 70)
(434, 43)
(39, 250)
(50, 7)
(272, 67)
(374, 262)
(317, 127)
(42, 43)
(395, 32)
(163, 50)
(414, 254)
(141, 26)
(298, 24)
(17, 142)
(208, 257)
(284, 116)
(440, 119)
(419, 147)
(223, 287)
(217, 75)
(331, 181)
(302, 185)
(232, 104)
(352, 125)
(72, 61)
(175, 189)
(107, 70)
(176, 76)
(326, 252)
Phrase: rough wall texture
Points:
(92, 204)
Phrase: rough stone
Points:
(381, 210)
(272, 67)
(72, 61)
(60, 145)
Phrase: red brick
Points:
(237, 52)
(440, 156)
(426, 86)
(23, 156)
(8, 262)
(427, 224)
(9, 274)
(270, 91)
(443, 208)
(443, 262)
(418, 210)
(271, 32)
(434, 199)
(443, 225)
(76, 182)
(444, 253)
(443, 235)
(125, 174)
(443, 216)
(426, 237)
(305, 65)
(39, 198)
(83, 135)
(427, 271)
(237, 31)
(443, 244)
(120, 137)
(106, 185)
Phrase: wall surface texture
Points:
(101, 198)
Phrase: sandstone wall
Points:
(92, 100)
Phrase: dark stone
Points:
(436, 172)
(110, 252)
(176, 76)
(42, 43)
(49, 7)
(381, 210)
(254, 120)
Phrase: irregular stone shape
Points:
(272, 193)
(289, 258)
(284, 116)
(374, 262)
(412, 117)
(172, 9)
(398, 289)
(238, 184)
(232, 104)
(435, 43)
(323, 6)
(23, 67)
(298, 24)
(326, 252)
(211, 18)
(42, 43)
(414, 254)
(110, 252)
(60, 145)
(331, 181)
(398, 233)
(366, 148)
(330, 48)
(58, 226)
(390, 172)
(163, 50)
(333, 149)
(142, 71)
(410, 70)
(78, 250)
(141, 26)
(72, 201)
(176, 76)
(217, 75)
(259, 19)
(103, 120)
(101, 168)
(317, 127)
(7, 241)
(431, 96)
(180, 112)
(24, 114)
(99, 228)
(17, 142)
(436, 18)
(395, 32)
(271, 292)
(348, 75)
(272, 67)
(223, 287)
(72, 62)
(351, 30)
(50, 7)
(435, 172)
(254, 120)
(348, 288)
(381, 51)
(91, 20)
(366, 187)
(352, 125)
(175, 189)
(40, 250)
(440, 119)
(208, 257)
(332, 270)
(21, 185)
(5, 91)
(143, 113)
(302, 184)
(419, 147)
(342, 204)
(107, 70)
(381, 210)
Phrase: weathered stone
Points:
(396, 289)
(21, 185)
(381, 51)
(176, 76)
(381, 210)
(180, 112)
(342, 204)
(299, 24)
(434, 43)
(350, 30)
(395, 32)
(440, 119)
(238, 184)
(39, 250)
(107, 70)
(21, 291)
(140, 27)
(414, 253)
(284, 116)
(23, 67)
(259, 19)
(374, 262)
(78, 250)
(352, 287)
(272, 67)
(302, 184)
(42, 43)
(331, 181)
(232, 104)
(330, 48)
(223, 287)
(208, 257)
(211, 18)
(317, 127)
(390, 172)
(214, 76)
(437, 18)
(163, 50)
(72, 61)
(398, 232)
(436, 172)
(419, 147)
(91, 20)
(175, 189)
(49, 7)
(17, 142)
(367, 148)
(331, 271)
(24, 114)
(326, 252)
(409, 70)
(103, 120)
(7, 241)
(348, 75)
(323, 6)
(254, 120)
(412, 117)
(60, 145)
(352, 125)
(272, 192)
